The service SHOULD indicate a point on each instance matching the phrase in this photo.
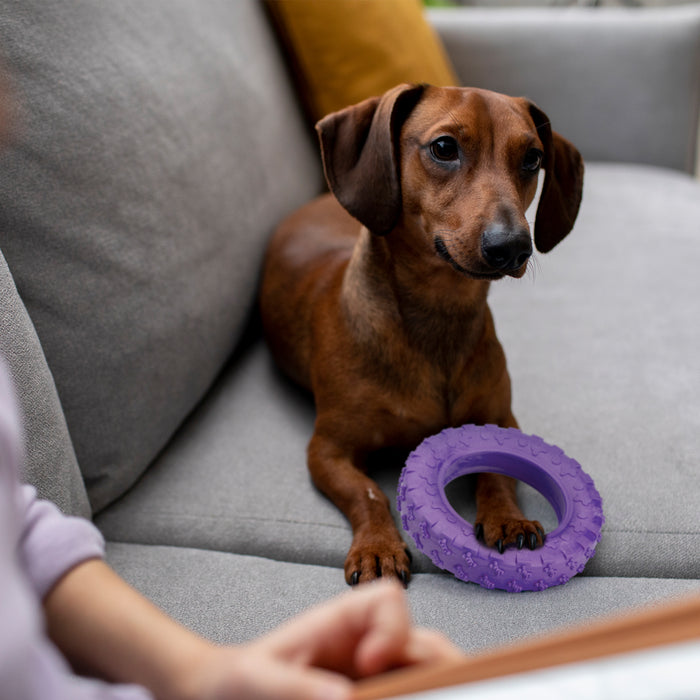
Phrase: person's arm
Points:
(105, 627)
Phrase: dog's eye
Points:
(533, 160)
(444, 149)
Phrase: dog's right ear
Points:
(360, 150)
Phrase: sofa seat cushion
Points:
(602, 345)
(147, 166)
(232, 598)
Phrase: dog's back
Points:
(305, 262)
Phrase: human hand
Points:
(104, 626)
(316, 655)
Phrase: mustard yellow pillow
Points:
(343, 51)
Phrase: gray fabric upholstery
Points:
(152, 136)
(49, 461)
(602, 346)
(233, 598)
(622, 84)
(154, 147)
(601, 366)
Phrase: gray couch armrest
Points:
(622, 84)
(49, 460)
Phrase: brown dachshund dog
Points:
(375, 298)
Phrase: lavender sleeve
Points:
(50, 543)
(38, 545)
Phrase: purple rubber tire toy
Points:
(449, 540)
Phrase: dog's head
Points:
(457, 167)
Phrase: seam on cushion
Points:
(222, 518)
(640, 531)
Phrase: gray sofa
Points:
(151, 149)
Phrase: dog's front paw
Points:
(374, 557)
(502, 532)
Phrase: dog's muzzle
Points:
(441, 250)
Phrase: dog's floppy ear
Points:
(360, 150)
(563, 184)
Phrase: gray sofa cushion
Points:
(625, 85)
(235, 479)
(49, 460)
(602, 366)
(155, 146)
(232, 599)
(603, 348)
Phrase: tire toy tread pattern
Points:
(449, 540)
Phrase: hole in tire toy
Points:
(449, 540)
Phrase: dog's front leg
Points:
(377, 548)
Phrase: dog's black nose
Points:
(505, 248)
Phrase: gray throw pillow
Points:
(154, 147)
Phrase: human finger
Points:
(429, 646)
(251, 674)
(362, 631)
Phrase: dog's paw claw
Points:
(501, 534)
(378, 560)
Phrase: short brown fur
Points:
(374, 297)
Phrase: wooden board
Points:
(655, 626)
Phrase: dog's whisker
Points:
(445, 231)
(447, 235)
(454, 119)
(533, 267)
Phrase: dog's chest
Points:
(414, 399)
